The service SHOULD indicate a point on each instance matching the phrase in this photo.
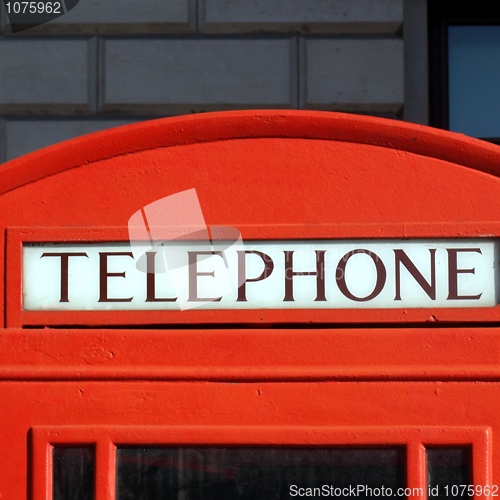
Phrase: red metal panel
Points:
(266, 182)
(243, 355)
(210, 127)
(329, 413)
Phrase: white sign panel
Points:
(281, 274)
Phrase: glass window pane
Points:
(73, 473)
(253, 473)
(447, 469)
(473, 74)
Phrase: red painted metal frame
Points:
(209, 127)
(250, 355)
(17, 317)
(105, 439)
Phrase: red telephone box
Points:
(261, 304)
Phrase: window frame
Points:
(106, 439)
(441, 15)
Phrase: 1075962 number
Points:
(460, 490)
(34, 8)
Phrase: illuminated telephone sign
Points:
(262, 275)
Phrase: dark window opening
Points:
(216, 473)
(449, 472)
(73, 471)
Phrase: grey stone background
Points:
(112, 62)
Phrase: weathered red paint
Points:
(322, 377)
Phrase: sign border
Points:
(16, 317)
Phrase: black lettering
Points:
(193, 277)
(242, 276)
(453, 273)
(104, 275)
(341, 281)
(428, 288)
(65, 270)
(150, 281)
(319, 273)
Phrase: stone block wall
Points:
(112, 62)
